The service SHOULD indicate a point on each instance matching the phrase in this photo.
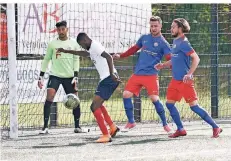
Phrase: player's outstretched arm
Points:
(168, 63)
(74, 52)
(160, 66)
(110, 63)
(130, 51)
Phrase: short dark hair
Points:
(156, 18)
(81, 36)
(181, 22)
(61, 23)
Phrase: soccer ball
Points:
(71, 101)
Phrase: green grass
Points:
(31, 115)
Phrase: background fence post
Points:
(214, 61)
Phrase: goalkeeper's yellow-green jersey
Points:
(63, 64)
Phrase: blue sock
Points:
(204, 115)
(129, 109)
(175, 115)
(160, 110)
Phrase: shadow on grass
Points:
(58, 146)
(143, 141)
(117, 137)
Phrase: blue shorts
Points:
(106, 88)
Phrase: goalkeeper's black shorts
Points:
(54, 82)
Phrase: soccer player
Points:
(109, 81)
(64, 70)
(153, 47)
(182, 84)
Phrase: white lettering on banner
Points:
(116, 26)
(27, 79)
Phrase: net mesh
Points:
(117, 27)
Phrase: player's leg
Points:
(105, 90)
(174, 95)
(107, 117)
(52, 87)
(96, 110)
(132, 87)
(129, 110)
(190, 97)
(72, 88)
(152, 88)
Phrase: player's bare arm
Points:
(109, 59)
(167, 64)
(116, 56)
(195, 62)
(79, 53)
(160, 66)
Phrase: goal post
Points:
(12, 70)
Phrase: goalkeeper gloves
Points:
(74, 80)
(40, 82)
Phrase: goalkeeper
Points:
(64, 70)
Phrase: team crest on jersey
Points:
(156, 44)
(174, 46)
(68, 48)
